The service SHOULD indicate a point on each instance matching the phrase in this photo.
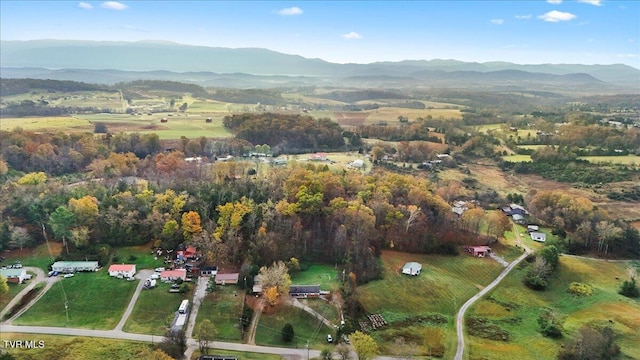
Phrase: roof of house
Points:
(75, 263)
(538, 235)
(304, 289)
(190, 250)
(517, 217)
(480, 248)
(8, 273)
(412, 265)
(122, 267)
(174, 273)
(227, 277)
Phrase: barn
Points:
(412, 268)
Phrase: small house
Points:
(172, 275)
(357, 164)
(478, 251)
(209, 271)
(74, 266)
(304, 291)
(321, 156)
(518, 219)
(223, 279)
(122, 270)
(412, 268)
(531, 228)
(538, 236)
(15, 276)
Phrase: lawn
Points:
(154, 311)
(139, 255)
(444, 284)
(238, 354)
(517, 158)
(47, 124)
(14, 289)
(306, 328)
(94, 299)
(74, 347)
(623, 160)
(223, 308)
(41, 256)
(324, 275)
(515, 308)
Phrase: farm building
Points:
(188, 253)
(304, 291)
(518, 219)
(513, 209)
(459, 207)
(209, 271)
(538, 236)
(122, 270)
(171, 275)
(531, 228)
(478, 251)
(357, 164)
(16, 276)
(74, 266)
(279, 161)
(223, 279)
(412, 268)
(321, 156)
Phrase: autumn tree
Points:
(497, 224)
(364, 345)
(275, 280)
(34, 178)
(156, 354)
(206, 334)
(4, 287)
(472, 219)
(84, 209)
(191, 225)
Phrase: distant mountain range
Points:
(111, 62)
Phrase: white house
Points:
(124, 270)
(74, 266)
(357, 164)
(17, 276)
(412, 268)
(538, 236)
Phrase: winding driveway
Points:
(142, 275)
(467, 305)
(40, 277)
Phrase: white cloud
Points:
(84, 5)
(557, 16)
(592, 2)
(628, 56)
(351, 36)
(523, 17)
(113, 5)
(497, 21)
(556, 2)
(290, 11)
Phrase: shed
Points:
(171, 275)
(412, 268)
(531, 228)
(209, 270)
(74, 266)
(357, 164)
(538, 236)
(478, 251)
(223, 279)
(304, 291)
(124, 270)
(519, 219)
(17, 276)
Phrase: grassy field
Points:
(95, 301)
(41, 256)
(515, 309)
(47, 124)
(139, 255)
(76, 348)
(238, 354)
(390, 114)
(444, 284)
(155, 310)
(223, 308)
(305, 327)
(517, 158)
(624, 160)
(14, 289)
(324, 275)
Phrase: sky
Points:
(523, 32)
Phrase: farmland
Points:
(517, 311)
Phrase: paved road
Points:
(198, 297)
(40, 277)
(142, 275)
(493, 284)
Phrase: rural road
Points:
(142, 275)
(40, 277)
(463, 309)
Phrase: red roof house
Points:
(124, 270)
(478, 251)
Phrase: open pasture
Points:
(47, 124)
(630, 160)
(391, 114)
(94, 299)
(515, 308)
(223, 307)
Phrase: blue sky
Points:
(524, 32)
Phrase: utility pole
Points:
(307, 349)
(66, 310)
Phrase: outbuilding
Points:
(478, 251)
(412, 268)
(122, 270)
(538, 236)
(304, 291)
(74, 266)
(172, 275)
(223, 279)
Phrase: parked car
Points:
(154, 276)
(68, 275)
(55, 273)
(160, 269)
(50, 273)
(346, 339)
(131, 278)
(329, 339)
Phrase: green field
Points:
(139, 255)
(324, 275)
(154, 310)
(14, 289)
(223, 307)
(306, 328)
(41, 256)
(95, 301)
(517, 158)
(624, 160)
(515, 308)
(444, 284)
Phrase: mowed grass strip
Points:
(155, 310)
(515, 308)
(223, 307)
(46, 123)
(94, 299)
(324, 275)
(623, 160)
(306, 328)
(141, 256)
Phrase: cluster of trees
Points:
(407, 132)
(360, 95)
(545, 262)
(24, 86)
(286, 133)
(588, 228)
(42, 108)
(247, 96)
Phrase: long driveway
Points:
(142, 275)
(40, 277)
(493, 284)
